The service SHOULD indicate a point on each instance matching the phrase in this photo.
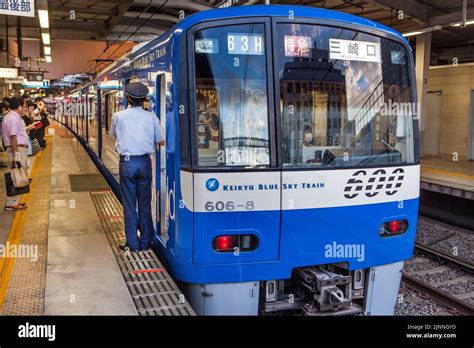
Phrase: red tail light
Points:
(242, 242)
(225, 243)
(393, 228)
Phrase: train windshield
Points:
(231, 96)
(345, 97)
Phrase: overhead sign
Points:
(8, 73)
(36, 84)
(36, 76)
(354, 50)
(110, 84)
(24, 8)
(16, 80)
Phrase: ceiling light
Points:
(459, 24)
(49, 59)
(46, 38)
(47, 50)
(423, 31)
(43, 18)
(412, 33)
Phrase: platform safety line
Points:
(16, 229)
(152, 270)
(445, 172)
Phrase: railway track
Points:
(442, 268)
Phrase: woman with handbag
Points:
(16, 141)
(32, 131)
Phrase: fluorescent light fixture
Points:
(423, 31)
(49, 59)
(412, 33)
(43, 18)
(47, 50)
(458, 24)
(46, 38)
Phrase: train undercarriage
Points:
(316, 290)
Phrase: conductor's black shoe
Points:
(126, 248)
(145, 249)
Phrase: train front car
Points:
(301, 191)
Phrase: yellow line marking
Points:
(6, 263)
(445, 172)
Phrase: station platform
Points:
(442, 174)
(61, 255)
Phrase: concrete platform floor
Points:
(443, 170)
(82, 275)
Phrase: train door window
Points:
(92, 124)
(231, 99)
(160, 110)
(109, 156)
(337, 89)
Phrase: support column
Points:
(423, 53)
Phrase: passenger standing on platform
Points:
(4, 108)
(137, 133)
(16, 141)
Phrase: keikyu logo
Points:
(212, 184)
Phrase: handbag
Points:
(30, 148)
(12, 190)
(35, 146)
(19, 175)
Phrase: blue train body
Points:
(295, 216)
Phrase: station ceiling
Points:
(141, 20)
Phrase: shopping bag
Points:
(19, 175)
(12, 190)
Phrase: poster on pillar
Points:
(23, 8)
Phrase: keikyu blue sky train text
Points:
(289, 182)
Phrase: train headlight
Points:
(393, 228)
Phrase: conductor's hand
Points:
(162, 143)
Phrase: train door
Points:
(160, 171)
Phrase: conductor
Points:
(137, 133)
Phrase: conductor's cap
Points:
(136, 90)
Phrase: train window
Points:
(231, 110)
(93, 127)
(345, 98)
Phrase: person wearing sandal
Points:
(15, 139)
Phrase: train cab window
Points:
(231, 98)
(345, 98)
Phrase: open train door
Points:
(159, 179)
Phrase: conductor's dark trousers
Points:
(135, 183)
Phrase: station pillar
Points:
(423, 54)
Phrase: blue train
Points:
(290, 178)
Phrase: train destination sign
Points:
(298, 46)
(354, 50)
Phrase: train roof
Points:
(250, 11)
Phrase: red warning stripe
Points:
(152, 270)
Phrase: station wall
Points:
(455, 84)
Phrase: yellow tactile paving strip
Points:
(23, 280)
